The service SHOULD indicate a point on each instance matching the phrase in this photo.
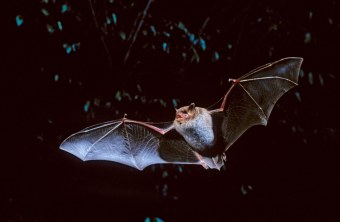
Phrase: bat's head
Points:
(185, 113)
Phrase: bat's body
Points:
(197, 135)
(196, 128)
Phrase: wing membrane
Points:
(129, 143)
(252, 97)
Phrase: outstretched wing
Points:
(133, 143)
(252, 97)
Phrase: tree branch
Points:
(145, 12)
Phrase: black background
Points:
(287, 171)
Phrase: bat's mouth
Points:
(181, 117)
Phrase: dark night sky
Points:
(64, 70)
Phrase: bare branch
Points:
(145, 12)
(101, 35)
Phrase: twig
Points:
(205, 23)
(145, 12)
(101, 35)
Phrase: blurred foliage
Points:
(130, 56)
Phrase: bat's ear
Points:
(192, 106)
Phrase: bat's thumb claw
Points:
(234, 80)
(224, 157)
(204, 165)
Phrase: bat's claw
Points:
(204, 165)
(219, 161)
(124, 117)
(202, 162)
(234, 80)
(224, 157)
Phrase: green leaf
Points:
(216, 56)
(19, 20)
(56, 77)
(308, 37)
(60, 26)
(50, 28)
(45, 12)
(114, 18)
(64, 8)
(202, 44)
(87, 106)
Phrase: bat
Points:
(196, 135)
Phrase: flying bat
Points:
(196, 135)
